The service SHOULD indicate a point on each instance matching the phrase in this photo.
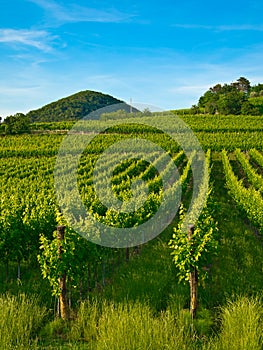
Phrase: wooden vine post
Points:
(193, 280)
(63, 303)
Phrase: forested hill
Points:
(73, 107)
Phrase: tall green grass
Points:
(20, 318)
(241, 326)
(103, 325)
(130, 326)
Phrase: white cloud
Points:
(221, 28)
(192, 26)
(38, 39)
(190, 89)
(58, 14)
(242, 27)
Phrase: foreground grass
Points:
(104, 325)
(241, 326)
(131, 326)
(20, 320)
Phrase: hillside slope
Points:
(73, 107)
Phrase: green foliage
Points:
(231, 102)
(51, 126)
(197, 252)
(256, 105)
(16, 124)
(73, 107)
(125, 114)
(249, 200)
(228, 132)
(183, 111)
(253, 177)
(231, 99)
(25, 213)
(257, 156)
(256, 90)
(76, 253)
(57, 328)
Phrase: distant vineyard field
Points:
(28, 203)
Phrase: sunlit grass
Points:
(241, 326)
(130, 326)
(20, 319)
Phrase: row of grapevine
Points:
(193, 246)
(254, 178)
(28, 206)
(196, 122)
(121, 183)
(214, 132)
(218, 140)
(26, 146)
(223, 123)
(257, 156)
(248, 199)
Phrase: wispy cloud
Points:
(14, 91)
(221, 28)
(38, 39)
(58, 14)
(190, 89)
(244, 27)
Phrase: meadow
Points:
(131, 298)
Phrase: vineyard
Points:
(124, 295)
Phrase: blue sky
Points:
(162, 53)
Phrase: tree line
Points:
(15, 124)
(236, 98)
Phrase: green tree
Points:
(257, 89)
(249, 109)
(17, 124)
(216, 89)
(195, 109)
(209, 97)
(231, 103)
(227, 98)
(242, 84)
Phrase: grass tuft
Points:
(20, 319)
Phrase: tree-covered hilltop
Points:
(235, 98)
(15, 124)
(73, 107)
